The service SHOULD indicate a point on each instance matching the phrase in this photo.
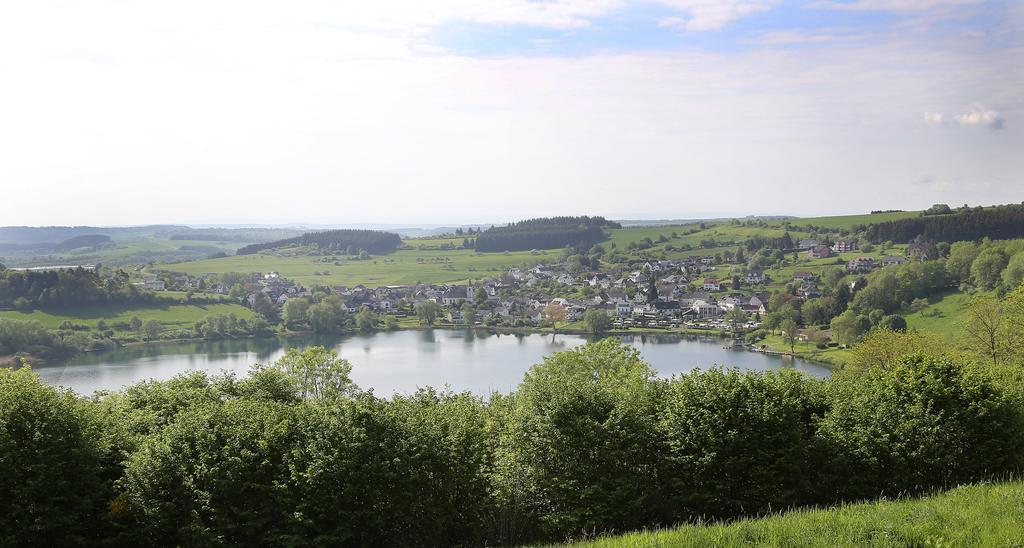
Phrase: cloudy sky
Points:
(120, 112)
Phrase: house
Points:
(844, 246)
(150, 283)
(893, 260)
(623, 308)
(922, 251)
(820, 252)
(754, 277)
(704, 309)
(666, 308)
(803, 276)
(807, 243)
(861, 264)
(809, 291)
(453, 296)
(711, 284)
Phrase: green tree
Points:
(987, 268)
(427, 312)
(323, 317)
(597, 321)
(1013, 275)
(893, 322)
(318, 372)
(366, 319)
(581, 441)
(961, 257)
(295, 310)
(736, 318)
(136, 324)
(51, 490)
(151, 330)
(789, 334)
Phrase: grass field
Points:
(400, 267)
(943, 315)
(169, 315)
(976, 515)
(848, 221)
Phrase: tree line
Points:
(997, 222)
(591, 441)
(371, 241)
(65, 287)
(544, 233)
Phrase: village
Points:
(700, 292)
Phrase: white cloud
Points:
(980, 116)
(335, 113)
(709, 15)
(891, 5)
(934, 118)
(785, 38)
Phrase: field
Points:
(977, 515)
(943, 315)
(400, 267)
(169, 315)
(848, 221)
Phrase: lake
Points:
(401, 361)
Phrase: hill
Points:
(545, 233)
(339, 241)
(976, 515)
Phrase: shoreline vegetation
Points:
(27, 359)
(591, 442)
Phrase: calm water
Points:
(400, 361)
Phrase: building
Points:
(754, 277)
(711, 284)
(893, 260)
(861, 264)
(844, 246)
(820, 252)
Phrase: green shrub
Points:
(583, 441)
(920, 424)
(741, 443)
(213, 476)
(51, 488)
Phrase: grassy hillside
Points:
(400, 267)
(979, 515)
(170, 315)
(943, 315)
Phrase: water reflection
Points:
(401, 361)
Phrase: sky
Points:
(119, 112)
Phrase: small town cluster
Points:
(667, 293)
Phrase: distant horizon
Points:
(434, 224)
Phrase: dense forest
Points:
(24, 289)
(545, 233)
(340, 241)
(998, 223)
(592, 441)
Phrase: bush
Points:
(921, 423)
(740, 442)
(213, 476)
(583, 442)
(51, 491)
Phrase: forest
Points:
(23, 289)
(545, 233)
(998, 223)
(339, 241)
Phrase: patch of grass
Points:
(943, 314)
(169, 315)
(976, 515)
(833, 356)
(848, 221)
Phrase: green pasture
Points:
(169, 315)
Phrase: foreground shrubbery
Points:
(590, 442)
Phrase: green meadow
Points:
(975, 515)
(169, 315)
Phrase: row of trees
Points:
(544, 233)
(998, 222)
(591, 441)
(66, 287)
(371, 241)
